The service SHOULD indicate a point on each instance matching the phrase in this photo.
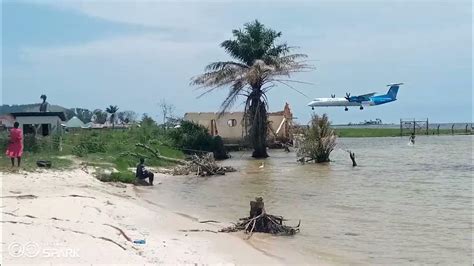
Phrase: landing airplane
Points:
(361, 100)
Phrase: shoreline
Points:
(52, 217)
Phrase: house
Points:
(6, 121)
(74, 123)
(39, 123)
(232, 128)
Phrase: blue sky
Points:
(134, 54)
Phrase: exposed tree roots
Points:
(260, 221)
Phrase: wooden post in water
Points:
(352, 156)
(427, 127)
(401, 128)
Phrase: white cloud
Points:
(357, 48)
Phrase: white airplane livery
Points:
(362, 100)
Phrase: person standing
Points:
(412, 138)
(15, 145)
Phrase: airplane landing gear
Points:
(346, 109)
(312, 108)
(361, 107)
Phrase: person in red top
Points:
(15, 145)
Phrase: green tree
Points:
(147, 121)
(126, 117)
(112, 110)
(84, 115)
(259, 65)
(99, 116)
(191, 136)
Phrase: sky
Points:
(135, 54)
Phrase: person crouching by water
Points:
(143, 173)
(412, 138)
(15, 145)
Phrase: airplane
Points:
(366, 99)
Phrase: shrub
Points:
(319, 140)
(219, 150)
(123, 176)
(191, 136)
(89, 144)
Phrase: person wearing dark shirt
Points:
(142, 173)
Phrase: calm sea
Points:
(402, 205)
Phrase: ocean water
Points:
(403, 204)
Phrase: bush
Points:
(89, 144)
(219, 150)
(123, 177)
(191, 136)
(4, 140)
(319, 140)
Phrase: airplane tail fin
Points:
(393, 90)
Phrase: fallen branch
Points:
(204, 165)
(28, 196)
(93, 236)
(157, 154)
(78, 196)
(209, 221)
(120, 231)
(199, 230)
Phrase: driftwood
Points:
(260, 221)
(157, 154)
(202, 166)
(352, 156)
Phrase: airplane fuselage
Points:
(361, 100)
(327, 102)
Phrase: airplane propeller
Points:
(348, 95)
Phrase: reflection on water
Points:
(402, 204)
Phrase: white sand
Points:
(71, 217)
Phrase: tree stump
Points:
(260, 221)
(256, 207)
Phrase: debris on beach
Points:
(260, 221)
(204, 165)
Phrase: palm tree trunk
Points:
(258, 127)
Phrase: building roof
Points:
(23, 114)
(75, 123)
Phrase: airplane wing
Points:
(367, 95)
(361, 98)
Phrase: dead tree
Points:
(260, 221)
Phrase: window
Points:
(232, 122)
(45, 129)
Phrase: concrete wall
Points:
(230, 126)
(54, 121)
(7, 120)
(235, 131)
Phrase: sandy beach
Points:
(57, 217)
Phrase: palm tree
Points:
(112, 110)
(260, 64)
